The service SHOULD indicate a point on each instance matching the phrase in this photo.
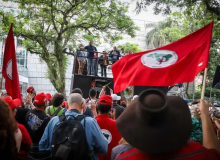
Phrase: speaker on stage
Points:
(85, 83)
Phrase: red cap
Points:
(48, 95)
(40, 98)
(12, 103)
(105, 100)
(64, 104)
(30, 89)
(123, 102)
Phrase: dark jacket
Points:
(101, 60)
(117, 55)
(119, 110)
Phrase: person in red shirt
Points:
(159, 126)
(26, 141)
(107, 125)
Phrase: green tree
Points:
(165, 6)
(130, 46)
(155, 37)
(52, 28)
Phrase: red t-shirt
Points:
(191, 151)
(110, 131)
(25, 142)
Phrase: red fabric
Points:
(40, 98)
(30, 89)
(48, 95)
(26, 142)
(105, 123)
(191, 151)
(9, 68)
(192, 55)
(12, 103)
(64, 104)
(105, 100)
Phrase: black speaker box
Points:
(85, 83)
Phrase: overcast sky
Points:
(144, 15)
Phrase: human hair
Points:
(123, 105)
(75, 98)
(8, 127)
(123, 141)
(122, 48)
(104, 109)
(77, 90)
(57, 99)
(92, 93)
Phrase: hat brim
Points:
(163, 135)
(17, 102)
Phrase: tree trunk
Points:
(187, 88)
(57, 65)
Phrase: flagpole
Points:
(203, 85)
(1, 82)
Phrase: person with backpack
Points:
(56, 109)
(35, 122)
(73, 135)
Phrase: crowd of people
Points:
(153, 126)
(92, 58)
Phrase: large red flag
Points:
(9, 68)
(177, 62)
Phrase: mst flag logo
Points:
(159, 59)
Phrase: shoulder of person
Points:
(90, 120)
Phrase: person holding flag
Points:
(162, 67)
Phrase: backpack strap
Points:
(56, 112)
(80, 118)
(62, 117)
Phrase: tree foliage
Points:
(155, 37)
(52, 28)
(165, 6)
(130, 46)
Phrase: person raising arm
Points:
(210, 140)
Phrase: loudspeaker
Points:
(85, 83)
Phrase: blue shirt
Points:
(89, 48)
(87, 113)
(95, 139)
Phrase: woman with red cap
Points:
(26, 141)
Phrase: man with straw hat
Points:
(159, 126)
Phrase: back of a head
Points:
(75, 98)
(77, 90)
(92, 93)
(104, 109)
(58, 99)
(105, 102)
(8, 127)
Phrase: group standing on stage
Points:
(93, 60)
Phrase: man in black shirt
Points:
(36, 122)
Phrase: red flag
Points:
(9, 68)
(177, 62)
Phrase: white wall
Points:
(37, 78)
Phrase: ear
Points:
(67, 106)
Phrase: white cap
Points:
(115, 97)
(135, 96)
